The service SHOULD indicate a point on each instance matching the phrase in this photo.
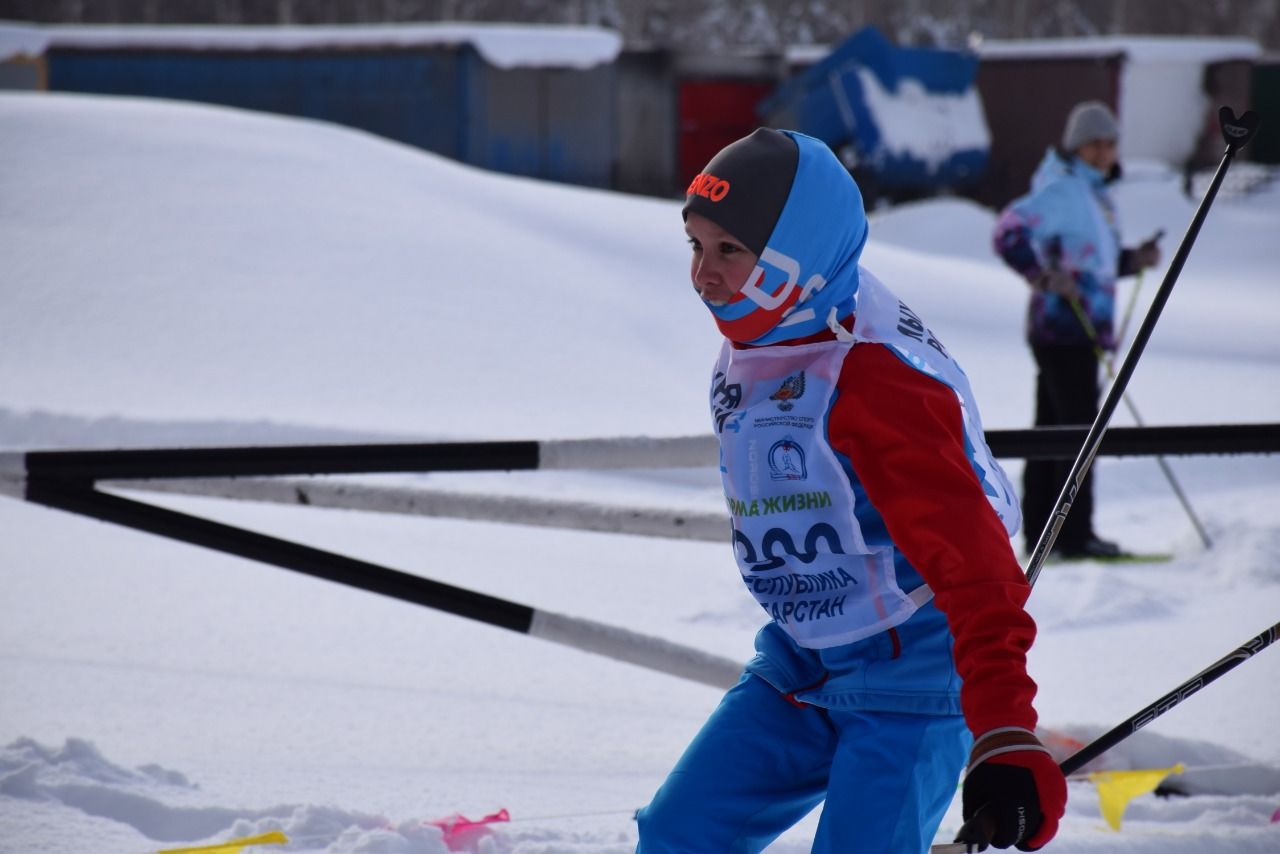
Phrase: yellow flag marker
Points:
(232, 846)
(1117, 788)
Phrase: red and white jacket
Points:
(871, 522)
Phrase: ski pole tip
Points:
(1237, 131)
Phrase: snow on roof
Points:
(806, 54)
(17, 40)
(928, 126)
(501, 45)
(1136, 48)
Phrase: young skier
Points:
(872, 525)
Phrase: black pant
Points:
(1066, 393)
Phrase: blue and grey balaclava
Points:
(790, 201)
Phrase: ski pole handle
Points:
(1237, 131)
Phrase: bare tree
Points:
(718, 24)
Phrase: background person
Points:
(1063, 237)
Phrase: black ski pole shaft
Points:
(978, 828)
(1137, 721)
(1236, 133)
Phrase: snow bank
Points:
(78, 777)
(389, 283)
(175, 273)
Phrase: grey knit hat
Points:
(1089, 121)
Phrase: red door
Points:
(713, 113)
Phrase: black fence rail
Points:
(69, 480)
(1063, 443)
(153, 463)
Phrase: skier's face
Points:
(1100, 154)
(721, 264)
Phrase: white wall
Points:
(1162, 109)
(1162, 103)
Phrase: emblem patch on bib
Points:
(786, 460)
(792, 388)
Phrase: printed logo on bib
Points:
(798, 543)
(799, 422)
(770, 505)
(725, 398)
(775, 539)
(798, 538)
(789, 611)
(792, 389)
(816, 594)
(910, 325)
(884, 319)
(786, 460)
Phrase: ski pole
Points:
(1138, 720)
(978, 835)
(1133, 295)
(1133, 411)
(1236, 133)
(1128, 308)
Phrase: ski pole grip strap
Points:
(1003, 740)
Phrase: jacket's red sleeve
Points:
(902, 432)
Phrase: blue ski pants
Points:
(761, 763)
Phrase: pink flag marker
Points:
(460, 833)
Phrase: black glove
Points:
(1014, 794)
(1147, 254)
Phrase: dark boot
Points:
(1092, 547)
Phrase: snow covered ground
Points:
(176, 275)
